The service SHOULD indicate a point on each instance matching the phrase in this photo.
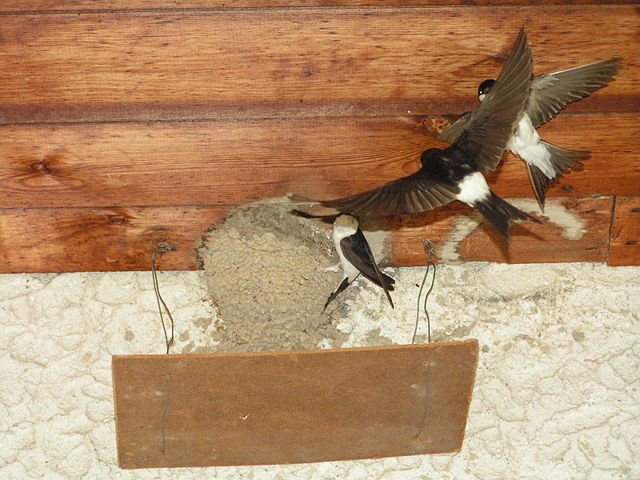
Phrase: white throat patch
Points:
(344, 226)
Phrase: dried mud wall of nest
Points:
(264, 272)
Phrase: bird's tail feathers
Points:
(499, 212)
(387, 284)
(389, 281)
(539, 182)
(561, 160)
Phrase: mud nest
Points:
(263, 272)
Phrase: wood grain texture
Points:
(116, 239)
(625, 232)
(292, 407)
(234, 162)
(100, 239)
(127, 5)
(574, 230)
(300, 62)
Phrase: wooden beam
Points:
(292, 407)
(100, 239)
(133, 5)
(235, 162)
(116, 239)
(574, 230)
(625, 232)
(298, 62)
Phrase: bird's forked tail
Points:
(499, 212)
(561, 160)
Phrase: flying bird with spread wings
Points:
(549, 94)
(456, 172)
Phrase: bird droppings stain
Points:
(461, 331)
(374, 339)
(577, 335)
(572, 225)
(461, 229)
(203, 322)
(87, 358)
(533, 342)
(263, 269)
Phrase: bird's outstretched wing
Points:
(551, 92)
(484, 139)
(355, 248)
(489, 127)
(412, 194)
(341, 288)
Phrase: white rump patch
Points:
(473, 189)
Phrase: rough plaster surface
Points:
(556, 395)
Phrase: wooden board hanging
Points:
(292, 407)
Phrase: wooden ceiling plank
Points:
(123, 238)
(298, 62)
(137, 5)
(100, 239)
(234, 162)
(625, 232)
(574, 230)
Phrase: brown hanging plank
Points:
(574, 230)
(116, 239)
(625, 232)
(107, 5)
(100, 239)
(292, 407)
(235, 162)
(298, 62)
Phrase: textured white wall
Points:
(556, 395)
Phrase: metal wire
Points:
(162, 248)
(428, 246)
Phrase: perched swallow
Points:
(356, 257)
(549, 94)
(456, 173)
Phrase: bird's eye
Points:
(485, 86)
